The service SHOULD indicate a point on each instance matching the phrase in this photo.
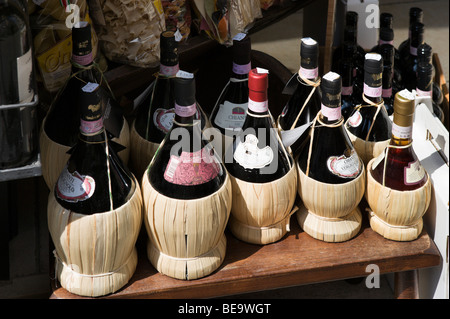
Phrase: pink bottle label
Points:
(424, 93)
(387, 93)
(168, 71)
(331, 113)
(309, 73)
(185, 111)
(242, 69)
(91, 127)
(347, 90)
(372, 91)
(192, 168)
(82, 59)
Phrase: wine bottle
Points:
(331, 157)
(18, 125)
(399, 168)
(94, 179)
(154, 116)
(346, 72)
(409, 67)
(304, 103)
(257, 154)
(186, 165)
(370, 122)
(231, 107)
(415, 15)
(425, 87)
(388, 89)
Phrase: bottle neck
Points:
(168, 70)
(373, 88)
(240, 71)
(185, 114)
(330, 114)
(401, 132)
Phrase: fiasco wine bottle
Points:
(362, 123)
(425, 87)
(185, 165)
(18, 140)
(94, 179)
(257, 155)
(332, 158)
(402, 170)
(409, 67)
(61, 124)
(155, 114)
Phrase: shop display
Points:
(398, 188)
(261, 170)
(187, 184)
(60, 127)
(18, 124)
(330, 169)
(94, 209)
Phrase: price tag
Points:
(261, 70)
(178, 35)
(90, 87)
(184, 75)
(239, 36)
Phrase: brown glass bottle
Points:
(402, 170)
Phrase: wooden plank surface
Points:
(297, 259)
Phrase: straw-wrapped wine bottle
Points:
(187, 196)
(369, 126)
(94, 210)
(230, 110)
(60, 127)
(330, 170)
(261, 170)
(304, 102)
(155, 114)
(398, 187)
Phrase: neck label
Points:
(185, 111)
(258, 107)
(401, 131)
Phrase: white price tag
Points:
(261, 70)
(90, 87)
(185, 75)
(178, 35)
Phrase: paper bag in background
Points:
(128, 30)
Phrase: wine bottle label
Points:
(413, 50)
(185, 111)
(386, 93)
(91, 127)
(343, 166)
(424, 93)
(192, 168)
(414, 173)
(258, 107)
(169, 71)
(163, 119)
(242, 69)
(331, 113)
(74, 187)
(308, 73)
(347, 90)
(83, 59)
(249, 156)
(380, 42)
(372, 91)
(355, 120)
(24, 76)
(231, 115)
(401, 131)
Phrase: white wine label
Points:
(355, 120)
(192, 168)
(74, 187)
(373, 91)
(163, 119)
(258, 107)
(343, 166)
(248, 155)
(401, 131)
(230, 115)
(24, 73)
(414, 173)
(309, 73)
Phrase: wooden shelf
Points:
(297, 259)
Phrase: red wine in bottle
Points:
(409, 67)
(62, 121)
(361, 121)
(257, 154)
(231, 106)
(154, 116)
(402, 170)
(18, 131)
(94, 179)
(186, 165)
(425, 87)
(332, 158)
(415, 15)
